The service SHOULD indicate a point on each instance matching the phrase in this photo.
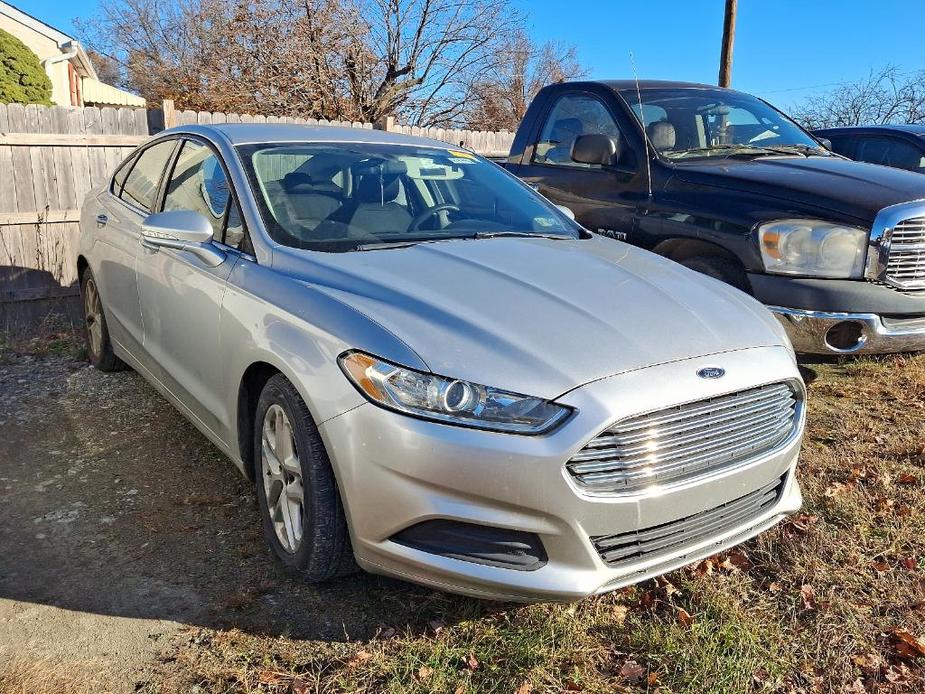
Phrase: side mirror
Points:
(825, 142)
(182, 230)
(567, 211)
(602, 150)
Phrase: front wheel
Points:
(301, 509)
(719, 267)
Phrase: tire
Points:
(96, 332)
(719, 267)
(321, 550)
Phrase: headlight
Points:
(449, 400)
(812, 247)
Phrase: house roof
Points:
(64, 41)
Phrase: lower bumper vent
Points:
(480, 544)
(659, 540)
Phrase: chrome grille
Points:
(686, 441)
(906, 263)
(668, 538)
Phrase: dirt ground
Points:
(120, 525)
(131, 560)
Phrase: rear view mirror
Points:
(182, 230)
(596, 149)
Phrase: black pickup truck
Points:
(725, 184)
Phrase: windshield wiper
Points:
(380, 245)
(756, 150)
(519, 235)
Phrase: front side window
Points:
(571, 116)
(890, 151)
(198, 183)
(697, 122)
(340, 196)
(140, 187)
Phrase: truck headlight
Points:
(813, 248)
(449, 400)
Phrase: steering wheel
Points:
(430, 212)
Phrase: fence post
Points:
(386, 123)
(170, 114)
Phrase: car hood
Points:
(853, 188)
(538, 316)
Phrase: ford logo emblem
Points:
(711, 372)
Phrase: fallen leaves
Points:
(684, 617)
(808, 595)
(632, 671)
(906, 644)
(472, 663)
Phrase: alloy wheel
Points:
(282, 478)
(93, 313)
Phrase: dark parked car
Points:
(726, 184)
(901, 146)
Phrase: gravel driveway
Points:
(120, 525)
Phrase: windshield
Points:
(349, 196)
(690, 123)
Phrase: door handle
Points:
(101, 220)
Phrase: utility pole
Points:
(729, 36)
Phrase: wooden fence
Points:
(51, 157)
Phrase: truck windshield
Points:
(697, 122)
(348, 196)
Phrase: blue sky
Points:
(784, 49)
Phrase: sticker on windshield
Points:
(545, 221)
(463, 155)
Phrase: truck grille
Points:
(668, 538)
(687, 441)
(906, 263)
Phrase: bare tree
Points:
(500, 100)
(884, 96)
(107, 69)
(356, 59)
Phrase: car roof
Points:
(253, 133)
(847, 129)
(630, 85)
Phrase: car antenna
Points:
(642, 122)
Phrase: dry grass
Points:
(21, 676)
(831, 601)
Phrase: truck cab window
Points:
(571, 116)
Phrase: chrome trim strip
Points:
(689, 441)
(807, 331)
(881, 242)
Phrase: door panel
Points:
(181, 297)
(603, 199)
(118, 228)
(181, 302)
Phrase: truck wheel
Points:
(99, 346)
(301, 509)
(718, 267)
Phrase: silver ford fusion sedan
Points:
(431, 371)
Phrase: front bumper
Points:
(811, 332)
(395, 471)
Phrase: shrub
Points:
(22, 79)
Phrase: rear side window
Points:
(572, 115)
(140, 187)
(119, 178)
(891, 151)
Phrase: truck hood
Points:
(539, 316)
(854, 188)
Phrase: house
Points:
(74, 81)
